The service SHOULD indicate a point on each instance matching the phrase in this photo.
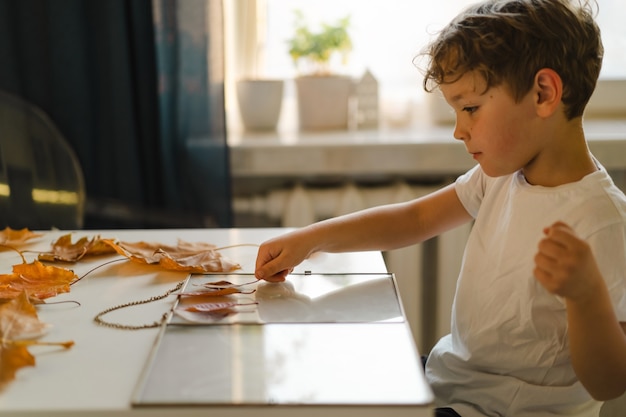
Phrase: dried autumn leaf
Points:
(209, 312)
(204, 318)
(214, 292)
(207, 261)
(99, 247)
(220, 284)
(19, 325)
(65, 251)
(11, 237)
(186, 256)
(152, 252)
(13, 358)
(16, 316)
(227, 284)
(37, 280)
(18, 320)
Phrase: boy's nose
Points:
(459, 132)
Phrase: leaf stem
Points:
(236, 246)
(16, 250)
(99, 266)
(29, 342)
(59, 302)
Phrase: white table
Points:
(99, 375)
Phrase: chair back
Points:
(41, 180)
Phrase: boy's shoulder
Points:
(595, 197)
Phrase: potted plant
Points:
(323, 96)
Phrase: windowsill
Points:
(429, 150)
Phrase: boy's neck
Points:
(564, 160)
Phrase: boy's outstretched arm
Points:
(380, 228)
(565, 266)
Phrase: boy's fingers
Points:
(271, 271)
(551, 248)
(277, 277)
(559, 233)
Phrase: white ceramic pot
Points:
(260, 103)
(323, 101)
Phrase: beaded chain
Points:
(98, 319)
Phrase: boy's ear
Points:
(549, 91)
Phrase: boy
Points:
(539, 317)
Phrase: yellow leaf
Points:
(11, 237)
(37, 280)
(19, 325)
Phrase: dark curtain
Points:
(136, 87)
(189, 39)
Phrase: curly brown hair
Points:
(508, 41)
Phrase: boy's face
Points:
(497, 131)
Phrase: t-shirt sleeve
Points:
(470, 188)
(609, 248)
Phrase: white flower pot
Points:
(260, 103)
(323, 101)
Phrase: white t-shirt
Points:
(508, 351)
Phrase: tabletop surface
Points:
(100, 374)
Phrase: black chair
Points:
(41, 181)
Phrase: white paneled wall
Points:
(426, 273)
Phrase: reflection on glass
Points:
(355, 301)
(319, 298)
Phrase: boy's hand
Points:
(565, 265)
(278, 256)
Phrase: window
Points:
(386, 34)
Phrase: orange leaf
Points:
(11, 237)
(190, 257)
(37, 280)
(66, 251)
(12, 358)
(207, 261)
(19, 324)
(17, 317)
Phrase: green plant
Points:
(318, 47)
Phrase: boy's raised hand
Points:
(565, 265)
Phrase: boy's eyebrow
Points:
(456, 97)
(460, 96)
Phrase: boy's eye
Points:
(470, 109)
